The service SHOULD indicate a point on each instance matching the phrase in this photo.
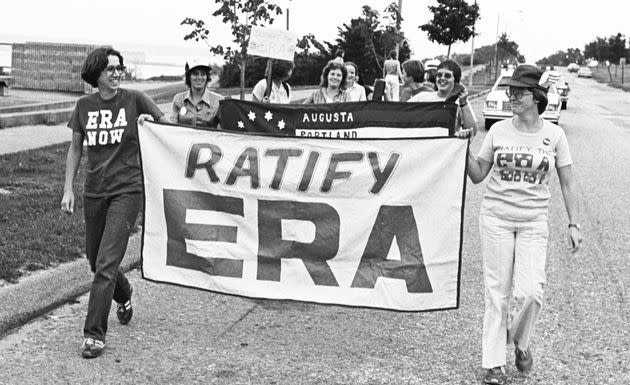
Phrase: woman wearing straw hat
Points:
(520, 154)
(197, 107)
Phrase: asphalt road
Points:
(182, 335)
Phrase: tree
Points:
(240, 15)
(507, 50)
(453, 20)
(367, 42)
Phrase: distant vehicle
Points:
(498, 106)
(573, 67)
(555, 77)
(431, 63)
(585, 72)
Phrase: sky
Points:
(540, 27)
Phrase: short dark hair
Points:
(281, 69)
(415, 69)
(189, 72)
(540, 97)
(340, 53)
(392, 54)
(95, 63)
(333, 65)
(452, 66)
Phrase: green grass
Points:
(34, 233)
(600, 73)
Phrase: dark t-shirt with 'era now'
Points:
(110, 132)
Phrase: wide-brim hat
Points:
(526, 76)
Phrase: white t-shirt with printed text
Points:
(522, 163)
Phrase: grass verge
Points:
(613, 79)
(34, 233)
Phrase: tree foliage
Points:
(563, 58)
(602, 49)
(452, 21)
(366, 41)
(240, 15)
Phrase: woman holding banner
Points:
(332, 85)
(448, 78)
(107, 122)
(280, 91)
(519, 154)
(197, 107)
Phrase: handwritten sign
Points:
(272, 43)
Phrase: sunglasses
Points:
(119, 68)
(444, 75)
(517, 93)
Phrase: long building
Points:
(49, 66)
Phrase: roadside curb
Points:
(37, 294)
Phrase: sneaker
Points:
(92, 348)
(124, 312)
(523, 360)
(495, 376)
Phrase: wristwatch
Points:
(576, 225)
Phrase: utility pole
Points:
(472, 54)
(288, 16)
(398, 20)
(496, 51)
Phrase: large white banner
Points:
(371, 223)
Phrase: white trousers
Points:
(514, 255)
(392, 88)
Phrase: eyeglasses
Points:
(517, 93)
(444, 75)
(119, 68)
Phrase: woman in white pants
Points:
(520, 154)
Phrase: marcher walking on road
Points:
(413, 80)
(107, 121)
(281, 72)
(520, 154)
(198, 106)
(448, 78)
(392, 75)
(355, 91)
(331, 86)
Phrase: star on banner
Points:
(281, 124)
(251, 116)
(241, 125)
(268, 115)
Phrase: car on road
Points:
(584, 72)
(497, 105)
(573, 67)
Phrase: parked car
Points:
(573, 67)
(585, 72)
(497, 105)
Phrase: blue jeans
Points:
(108, 224)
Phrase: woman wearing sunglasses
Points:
(447, 80)
(107, 122)
(520, 154)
